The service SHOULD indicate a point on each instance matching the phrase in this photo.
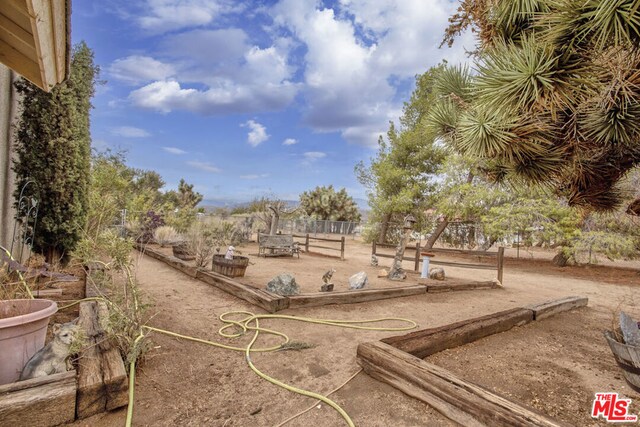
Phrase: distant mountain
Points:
(210, 205)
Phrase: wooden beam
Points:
(20, 63)
(92, 398)
(114, 374)
(18, 37)
(267, 300)
(352, 297)
(102, 378)
(549, 308)
(43, 35)
(429, 341)
(464, 402)
(463, 265)
(433, 286)
(59, 17)
(17, 12)
(43, 401)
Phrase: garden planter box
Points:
(235, 267)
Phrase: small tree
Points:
(53, 151)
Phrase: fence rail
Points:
(307, 243)
(416, 258)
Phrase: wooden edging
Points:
(43, 401)
(464, 402)
(398, 362)
(429, 341)
(273, 303)
(350, 297)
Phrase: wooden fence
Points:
(308, 240)
(416, 258)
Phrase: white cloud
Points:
(204, 166)
(254, 176)
(314, 155)
(174, 150)
(358, 54)
(167, 15)
(257, 134)
(140, 69)
(168, 95)
(290, 141)
(130, 132)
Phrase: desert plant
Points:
(326, 203)
(166, 235)
(126, 304)
(151, 221)
(209, 235)
(555, 99)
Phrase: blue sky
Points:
(253, 98)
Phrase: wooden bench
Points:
(277, 244)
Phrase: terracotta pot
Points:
(23, 329)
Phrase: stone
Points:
(374, 261)
(283, 284)
(397, 274)
(358, 280)
(436, 273)
(383, 273)
(327, 287)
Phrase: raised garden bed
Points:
(398, 362)
(273, 303)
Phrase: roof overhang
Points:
(35, 39)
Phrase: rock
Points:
(436, 273)
(358, 280)
(327, 287)
(383, 273)
(629, 328)
(374, 261)
(283, 284)
(397, 274)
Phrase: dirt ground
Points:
(555, 365)
(309, 268)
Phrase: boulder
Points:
(283, 284)
(436, 273)
(358, 280)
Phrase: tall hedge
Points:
(53, 150)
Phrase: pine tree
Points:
(54, 150)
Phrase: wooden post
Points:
(417, 260)
(306, 243)
(500, 263)
(342, 248)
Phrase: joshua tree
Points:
(556, 100)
